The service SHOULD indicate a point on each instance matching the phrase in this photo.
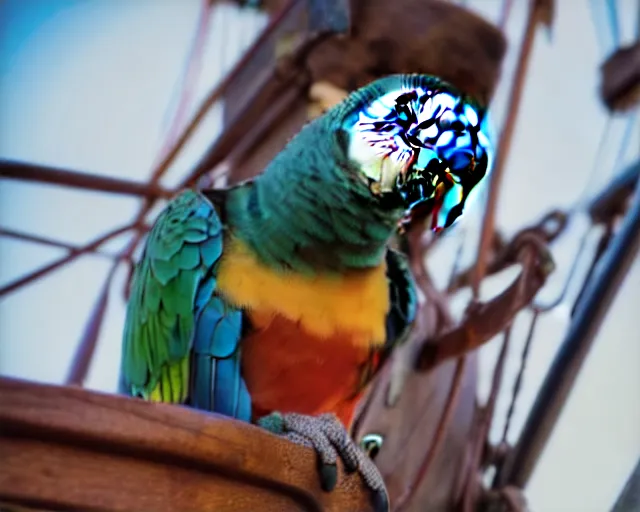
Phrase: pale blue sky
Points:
(85, 84)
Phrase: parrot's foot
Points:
(328, 437)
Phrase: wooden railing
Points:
(65, 448)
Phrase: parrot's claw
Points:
(326, 435)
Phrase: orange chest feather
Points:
(285, 369)
(352, 307)
(314, 340)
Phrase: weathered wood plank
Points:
(65, 448)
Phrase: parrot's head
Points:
(418, 141)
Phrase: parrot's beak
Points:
(383, 171)
(405, 172)
(435, 190)
(423, 144)
(419, 179)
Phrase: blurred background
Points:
(91, 85)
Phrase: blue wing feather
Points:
(217, 383)
(203, 372)
(175, 313)
(227, 385)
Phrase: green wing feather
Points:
(169, 287)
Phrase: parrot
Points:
(276, 300)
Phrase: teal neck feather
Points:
(310, 211)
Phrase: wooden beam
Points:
(65, 448)
(10, 169)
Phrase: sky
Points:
(89, 85)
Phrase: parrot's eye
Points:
(428, 144)
(371, 444)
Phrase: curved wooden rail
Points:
(65, 448)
